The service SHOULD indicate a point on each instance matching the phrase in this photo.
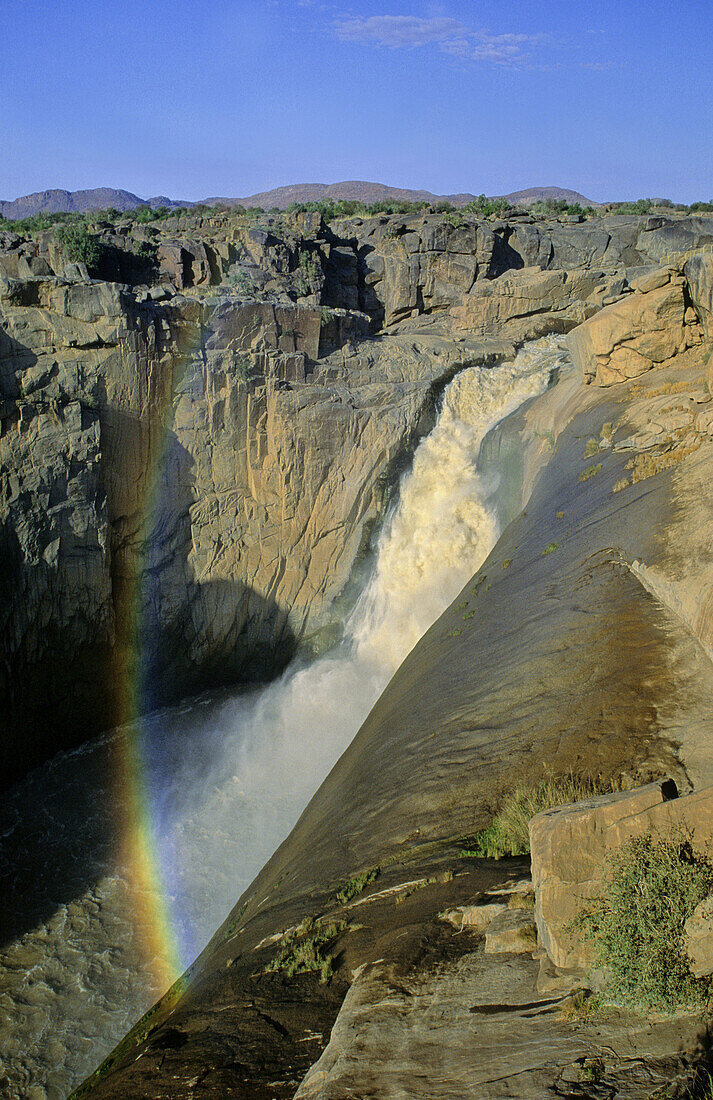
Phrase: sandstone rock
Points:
(698, 939)
(476, 918)
(631, 337)
(569, 847)
(511, 932)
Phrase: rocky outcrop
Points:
(568, 847)
(531, 302)
(699, 277)
(476, 1026)
(646, 329)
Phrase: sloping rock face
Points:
(476, 1027)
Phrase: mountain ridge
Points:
(57, 200)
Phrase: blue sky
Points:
(193, 98)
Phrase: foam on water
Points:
(228, 777)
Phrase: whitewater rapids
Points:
(228, 777)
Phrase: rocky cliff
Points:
(196, 447)
(583, 645)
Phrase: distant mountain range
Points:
(79, 202)
(100, 198)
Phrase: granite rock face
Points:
(582, 645)
(174, 483)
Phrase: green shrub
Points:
(652, 885)
(591, 471)
(232, 927)
(79, 245)
(242, 282)
(242, 366)
(485, 207)
(550, 548)
(356, 885)
(508, 834)
(304, 949)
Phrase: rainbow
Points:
(139, 851)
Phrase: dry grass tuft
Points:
(509, 834)
(645, 465)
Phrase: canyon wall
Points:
(196, 448)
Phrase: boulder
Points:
(569, 846)
(475, 918)
(699, 276)
(511, 932)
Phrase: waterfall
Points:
(229, 778)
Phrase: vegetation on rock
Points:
(355, 886)
(79, 245)
(636, 924)
(508, 834)
(304, 949)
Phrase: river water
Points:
(228, 776)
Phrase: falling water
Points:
(229, 778)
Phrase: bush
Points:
(509, 834)
(79, 245)
(355, 886)
(304, 949)
(485, 207)
(652, 886)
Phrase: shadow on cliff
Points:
(181, 633)
(174, 635)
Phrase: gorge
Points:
(199, 458)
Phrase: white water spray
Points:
(234, 777)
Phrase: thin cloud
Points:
(448, 35)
